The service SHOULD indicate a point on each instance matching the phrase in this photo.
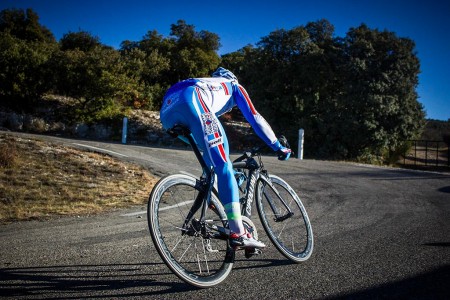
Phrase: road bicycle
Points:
(189, 227)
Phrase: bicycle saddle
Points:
(179, 129)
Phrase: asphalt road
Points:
(379, 233)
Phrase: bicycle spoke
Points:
(185, 251)
(184, 247)
(206, 258)
(199, 265)
(177, 243)
(284, 219)
(177, 205)
(168, 222)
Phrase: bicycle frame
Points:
(256, 173)
(205, 184)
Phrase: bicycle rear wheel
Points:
(290, 233)
(194, 256)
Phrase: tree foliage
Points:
(94, 78)
(164, 61)
(24, 25)
(194, 53)
(383, 70)
(81, 40)
(355, 96)
(25, 47)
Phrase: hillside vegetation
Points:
(355, 95)
(436, 130)
(40, 180)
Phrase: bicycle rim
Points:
(198, 261)
(292, 236)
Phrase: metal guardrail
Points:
(427, 153)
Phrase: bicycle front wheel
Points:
(186, 247)
(288, 229)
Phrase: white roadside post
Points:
(301, 135)
(124, 130)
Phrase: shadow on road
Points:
(431, 285)
(261, 263)
(87, 281)
(445, 189)
(98, 281)
(438, 244)
(143, 280)
(92, 281)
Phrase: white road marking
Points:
(162, 209)
(100, 149)
(134, 214)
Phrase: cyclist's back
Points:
(217, 93)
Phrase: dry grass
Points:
(41, 180)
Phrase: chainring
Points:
(250, 227)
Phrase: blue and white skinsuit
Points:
(197, 103)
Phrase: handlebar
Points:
(246, 160)
(240, 165)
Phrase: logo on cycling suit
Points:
(214, 88)
(215, 142)
(210, 125)
(170, 101)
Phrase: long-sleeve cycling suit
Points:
(196, 103)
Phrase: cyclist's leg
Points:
(217, 155)
(211, 138)
(190, 110)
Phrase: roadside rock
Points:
(144, 127)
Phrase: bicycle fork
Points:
(276, 211)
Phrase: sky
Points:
(242, 22)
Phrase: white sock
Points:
(234, 217)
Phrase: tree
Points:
(382, 77)
(148, 63)
(194, 53)
(276, 76)
(24, 25)
(146, 72)
(236, 61)
(81, 40)
(96, 79)
(165, 61)
(321, 31)
(355, 96)
(25, 48)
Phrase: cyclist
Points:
(196, 103)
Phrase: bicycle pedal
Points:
(251, 252)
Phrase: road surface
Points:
(379, 233)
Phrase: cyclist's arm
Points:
(259, 124)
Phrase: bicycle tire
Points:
(186, 255)
(293, 236)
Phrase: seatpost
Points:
(209, 173)
(197, 153)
